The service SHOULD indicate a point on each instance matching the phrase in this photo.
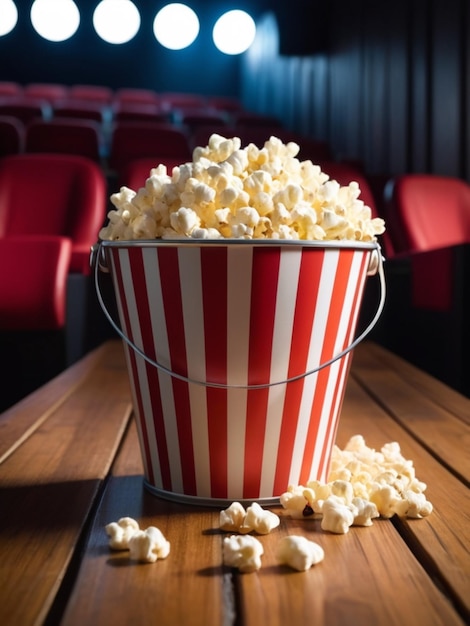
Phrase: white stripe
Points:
(239, 268)
(162, 351)
(322, 309)
(142, 382)
(289, 269)
(194, 332)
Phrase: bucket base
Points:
(199, 501)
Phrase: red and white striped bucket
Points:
(223, 344)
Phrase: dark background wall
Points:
(390, 86)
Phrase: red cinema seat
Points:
(53, 194)
(426, 211)
(425, 318)
(136, 140)
(136, 172)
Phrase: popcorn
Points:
(299, 553)
(243, 552)
(232, 519)
(143, 545)
(363, 484)
(259, 520)
(254, 519)
(120, 533)
(337, 516)
(242, 193)
(148, 545)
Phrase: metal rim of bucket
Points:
(97, 262)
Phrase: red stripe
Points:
(334, 314)
(307, 293)
(119, 288)
(214, 290)
(265, 275)
(172, 303)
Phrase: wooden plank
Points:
(48, 486)
(369, 355)
(186, 588)
(422, 414)
(442, 539)
(369, 575)
(20, 421)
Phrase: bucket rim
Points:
(225, 242)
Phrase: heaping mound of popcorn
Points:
(363, 484)
(242, 193)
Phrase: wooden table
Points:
(70, 463)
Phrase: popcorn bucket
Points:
(238, 354)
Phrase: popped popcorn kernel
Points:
(231, 519)
(148, 545)
(143, 545)
(299, 553)
(227, 191)
(259, 520)
(254, 519)
(243, 552)
(120, 532)
(363, 484)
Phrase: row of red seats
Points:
(129, 140)
(107, 97)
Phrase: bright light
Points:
(234, 32)
(8, 16)
(116, 21)
(55, 21)
(176, 26)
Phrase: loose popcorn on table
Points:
(120, 532)
(148, 545)
(299, 553)
(144, 545)
(254, 519)
(363, 484)
(243, 552)
(244, 193)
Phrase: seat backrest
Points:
(428, 211)
(52, 194)
(65, 136)
(10, 89)
(136, 96)
(25, 108)
(95, 93)
(135, 140)
(135, 173)
(46, 91)
(80, 109)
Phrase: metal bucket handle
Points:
(375, 267)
